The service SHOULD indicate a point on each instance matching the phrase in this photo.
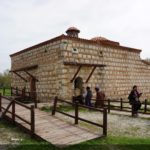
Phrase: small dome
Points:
(99, 38)
(72, 29)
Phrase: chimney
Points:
(73, 32)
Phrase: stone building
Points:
(56, 66)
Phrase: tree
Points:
(5, 79)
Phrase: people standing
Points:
(78, 97)
(84, 94)
(134, 100)
(100, 97)
(88, 96)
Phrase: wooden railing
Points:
(119, 105)
(24, 94)
(76, 117)
(13, 115)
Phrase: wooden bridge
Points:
(49, 127)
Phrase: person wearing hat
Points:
(100, 97)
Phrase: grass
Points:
(148, 102)
(64, 108)
(68, 108)
(108, 143)
(7, 91)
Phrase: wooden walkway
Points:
(53, 128)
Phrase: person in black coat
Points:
(134, 100)
(88, 96)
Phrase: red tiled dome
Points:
(99, 38)
(73, 29)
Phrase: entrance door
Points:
(33, 87)
(78, 83)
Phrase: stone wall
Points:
(49, 63)
(124, 69)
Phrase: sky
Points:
(24, 23)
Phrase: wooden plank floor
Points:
(53, 129)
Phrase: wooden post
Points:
(105, 122)
(16, 91)
(75, 74)
(0, 102)
(76, 112)
(32, 120)
(35, 99)
(54, 106)
(13, 111)
(11, 91)
(30, 95)
(145, 106)
(23, 94)
(3, 91)
(121, 104)
(108, 105)
(90, 74)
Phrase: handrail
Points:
(120, 107)
(14, 115)
(19, 103)
(76, 115)
(24, 94)
(93, 108)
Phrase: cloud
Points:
(25, 23)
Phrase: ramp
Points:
(50, 128)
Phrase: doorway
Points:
(78, 83)
(33, 88)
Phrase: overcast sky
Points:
(24, 23)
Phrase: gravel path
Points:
(118, 124)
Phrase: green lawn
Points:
(64, 108)
(7, 92)
(108, 143)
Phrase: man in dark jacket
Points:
(134, 100)
(88, 96)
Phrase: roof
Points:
(25, 68)
(104, 43)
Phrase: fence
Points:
(111, 105)
(13, 116)
(23, 95)
(76, 116)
